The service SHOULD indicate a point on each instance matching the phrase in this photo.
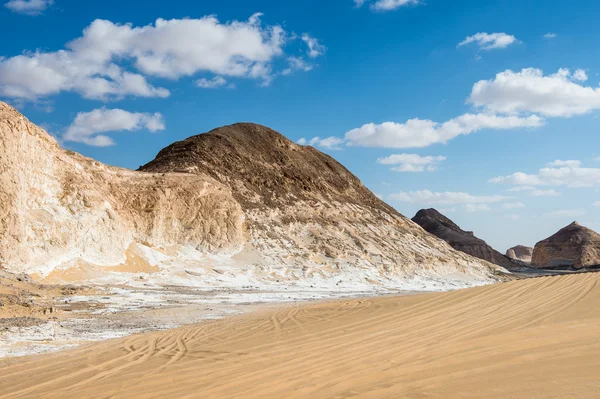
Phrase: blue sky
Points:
(391, 77)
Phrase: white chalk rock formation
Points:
(57, 206)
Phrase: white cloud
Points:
(472, 208)
(417, 133)
(97, 64)
(513, 205)
(550, 35)
(330, 143)
(544, 193)
(512, 217)
(596, 204)
(448, 198)
(529, 91)
(412, 162)
(387, 5)
(518, 189)
(28, 7)
(580, 75)
(296, 64)
(315, 48)
(214, 83)
(570, 213)
(87, 125)
(572, 174)
(490, 41)
(570, 164)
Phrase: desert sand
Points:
(535, 338)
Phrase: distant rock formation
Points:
(267, 209)
(440, 226)
(520, 253)
(574, 246)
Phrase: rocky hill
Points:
(440, 226)
(62, 209)
(305, 212)
(520, 253)
(239, 205)
(574, 246)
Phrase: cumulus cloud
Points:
(98, 64)
(513, 205)
(412, 162)
(560, 173)
(570, 164)
(544, 193)
(87, 125)
(512, 217)
(530, 91)
(296, 64)
(386, 5)
(444, 198)
(489, 41)
(315, 48)
(518, 189)
(416, 133)
(330, 143)
(597, 204)
(214, 83)
(28, 7)
(567, 213)
(550, 35)
(472, 208)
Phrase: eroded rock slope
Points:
(574, 246)
(306, 213)
(58, 207)
(465, 241)
(241, 205)
(520, 253)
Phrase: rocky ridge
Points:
(520, 253)
(302, 203)
(465, 241)
(60, 208)
(574, 246)
(239, 205)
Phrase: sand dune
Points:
(537, 338)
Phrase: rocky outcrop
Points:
(440, 226)
(574, 246)
(305, 212)
(241, 204)
(520, 253)
(59, 207)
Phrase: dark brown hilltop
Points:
(266, 168)
(440, 226)
(302, 203)
(574, 246)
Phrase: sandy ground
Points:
(535, 338)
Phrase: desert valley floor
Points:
(535, 338)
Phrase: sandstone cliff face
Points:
(520, 253)
(440, 226)
(58, 207)
(306, 213)
(573, 246)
